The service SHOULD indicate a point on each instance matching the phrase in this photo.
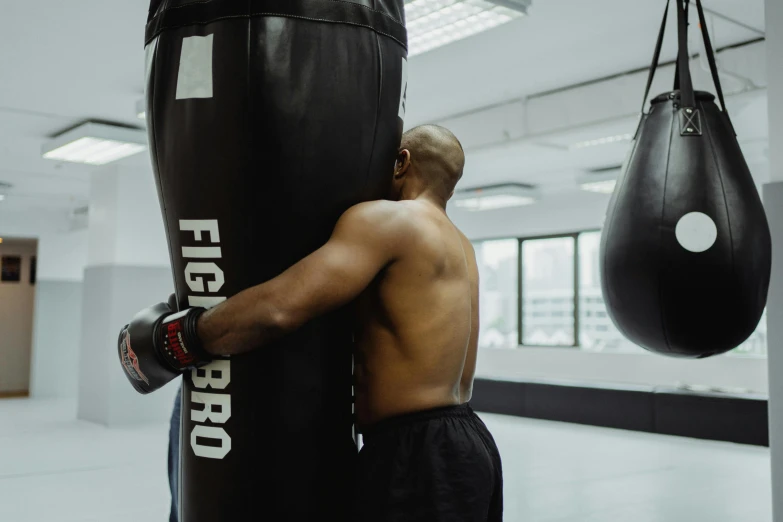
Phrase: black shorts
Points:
(438, 465)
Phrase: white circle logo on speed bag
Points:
(696, 232)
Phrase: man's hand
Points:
(159, 344)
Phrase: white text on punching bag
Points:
(206, 277)
(197, 273)
(217, 410)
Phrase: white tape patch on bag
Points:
(149, 52)
(403, 90)
(195, 68)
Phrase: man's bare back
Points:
(416, 327)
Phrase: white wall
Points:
(16, 320)
(62, 256)
(571, 212)
(125, 222)
(560, 213)
(32, 223)
(58, 314)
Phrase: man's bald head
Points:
(436, 156)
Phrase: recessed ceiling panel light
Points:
(95, 144)
(495, 197)
(435, 23)
(602, 187)
(601, 141)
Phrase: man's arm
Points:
(469, 370)
(366, 239)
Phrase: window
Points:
(756, 345)
(548, 291)
(557, 274)
(498, 264)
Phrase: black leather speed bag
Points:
(686, 249)
(268, 119)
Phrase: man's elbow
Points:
(289, 313)
(285, 321)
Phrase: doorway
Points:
(18, 258)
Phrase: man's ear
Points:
(403, 163)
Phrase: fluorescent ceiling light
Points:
(601, 141)
(2, 197)
(495, 197)
(493, 202)
(434, 23)
(96, 144)
(602, 187)
(141, 110)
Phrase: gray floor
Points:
(558, 472)
(55, 469)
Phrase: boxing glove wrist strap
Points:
(181, 346)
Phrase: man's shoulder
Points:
(380, 215)
(373, 208)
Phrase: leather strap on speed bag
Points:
(686, 250)
(267, 119)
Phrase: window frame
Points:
(577, 293)
(520, 283)
(520, 288)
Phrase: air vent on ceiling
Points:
(603, 170)
(601, 180)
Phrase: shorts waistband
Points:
(406, 419)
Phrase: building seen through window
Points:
(548, 292)
(498, 264)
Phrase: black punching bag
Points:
(267, 119)
(686, 248)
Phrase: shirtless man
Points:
(413, 274)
